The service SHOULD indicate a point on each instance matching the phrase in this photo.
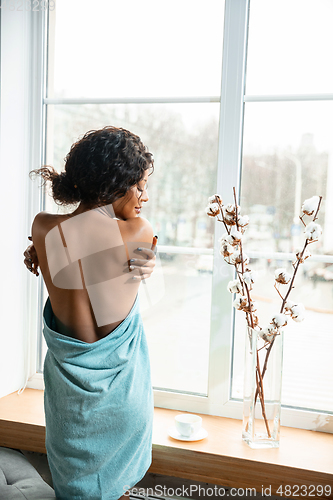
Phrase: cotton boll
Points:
(228, 218)
(239, 302)
(306, 255)
(235, 235)
(282, 276)
(313, 231)
(248, 278)
(226, 250)
(310, 206)
(288, 305)
(230, 240)
(230, 209)
(248, 308)
(235, 286)
(234, 238)
(237, 258)
(268, 333)
(243, 220)
(212, 210)
(298, 312)
(214, 199)
(279, 320)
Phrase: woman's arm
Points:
(145, 265)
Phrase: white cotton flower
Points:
(230, 209)
(310, 206)
(228, 217)
(267, 333)
(282, 276)
(236, 258)
(214, 199)
(235, 286)
(248, 278)
(230, 240)
(288, 305)
(226, 240)
(239, 302)
(243, 220)
(279, 320)
(234, 238)
(225, 249)
(313, 231)
(306, 255)
(298, 312)
(212, 209)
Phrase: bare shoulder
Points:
(136, 229)
(42, 224)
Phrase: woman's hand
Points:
(31, 259)
(145, 265)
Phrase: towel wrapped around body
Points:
(98, 409)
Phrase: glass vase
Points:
(262, 390)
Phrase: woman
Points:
(98, 395)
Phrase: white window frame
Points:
(20, 137)
(218, 401)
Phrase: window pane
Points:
(183, 139)
(147, 48)
(290, 47)
(288, 157)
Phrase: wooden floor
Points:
(304, 461)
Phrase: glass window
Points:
(136, 49)
(289, 47)
(157, 51)
(183, 138)
(287, 158)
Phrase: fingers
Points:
(33, 268)
(31, 259)
(153, 247)
(142, 277)
(142, 262)
(148, 252)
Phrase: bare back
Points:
(84, 260)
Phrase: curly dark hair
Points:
(100, 168)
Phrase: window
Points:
(186, 99)
(147, 67)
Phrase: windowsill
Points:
(304, 457)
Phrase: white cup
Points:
(187, 425)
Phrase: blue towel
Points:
(99, 410)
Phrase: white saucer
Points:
(201, 434)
